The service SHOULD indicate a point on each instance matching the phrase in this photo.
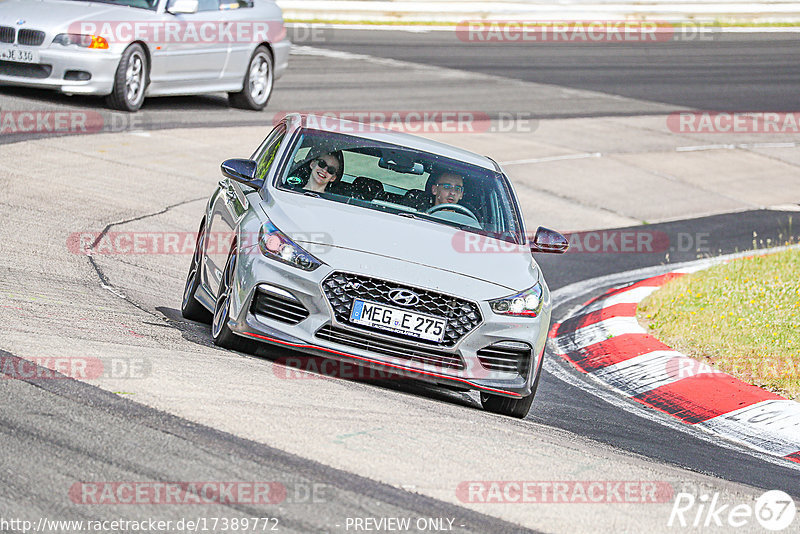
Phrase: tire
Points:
(130, 80)
(220, 333)
(190, 308)
(518, 408)
(258, 82)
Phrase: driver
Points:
(447, 189)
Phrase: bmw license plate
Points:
(397, 320)
(18, 55)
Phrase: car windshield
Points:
(403, 181)
(142, 4)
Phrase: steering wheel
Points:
(453, 207)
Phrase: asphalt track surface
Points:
(64, 430)
(707, 71)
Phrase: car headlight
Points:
(276, 245)
(527, 303)
(84, 41)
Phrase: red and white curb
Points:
(604, 340)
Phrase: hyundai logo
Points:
(403, 297)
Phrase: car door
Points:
(251, 24)
(192, 49)
(229, 207)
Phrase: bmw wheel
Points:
(258, 81)
(130, 80)
(190, 308)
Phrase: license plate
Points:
(397, 320)
(19, 55)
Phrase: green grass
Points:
(742, 317)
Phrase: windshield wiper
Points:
(311, 194)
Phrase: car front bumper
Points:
(55, 62)
(307, 334)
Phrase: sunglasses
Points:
(330, 169)
(448, 187)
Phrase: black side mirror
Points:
(547, 240)
(243, 171)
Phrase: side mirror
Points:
(241, 170)
(547, 240)
(182, 7)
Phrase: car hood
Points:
(309, 220)
(55, 14)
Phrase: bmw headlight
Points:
(276, 245)
(84, 41)
(527, 303)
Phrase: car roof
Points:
(377, 133)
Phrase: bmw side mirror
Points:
(243, 171)
(182, 7)
(547, 240)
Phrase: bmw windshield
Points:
(403, 181)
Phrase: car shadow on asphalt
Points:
(294, 365)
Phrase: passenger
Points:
(324, 170)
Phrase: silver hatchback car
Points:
(129, 49)
(378, 248)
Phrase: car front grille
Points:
(506, 356)
(30, 37)
(6, 34)
(423, 355)
(276, 306)
(462, 315)
(25, 70)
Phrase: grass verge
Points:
(742, 317)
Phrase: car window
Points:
(397, 179)
(265, 156)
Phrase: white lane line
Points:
(734, 146)
(771, 426)
(552, 158)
